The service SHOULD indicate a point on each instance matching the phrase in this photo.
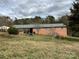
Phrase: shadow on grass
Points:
(76, 39)
(7, 36)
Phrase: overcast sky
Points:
(31, 8)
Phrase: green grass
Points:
(37, 47)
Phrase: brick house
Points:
(44, 29)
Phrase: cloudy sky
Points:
(31, 8)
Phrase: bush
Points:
(13, 31)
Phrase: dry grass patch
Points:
(37, 47)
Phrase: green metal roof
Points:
(40, 25)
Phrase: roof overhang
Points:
(39, 26)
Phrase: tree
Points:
(49, 20)
(5, 21)
(16, 21)
(23, 21)
(74, 19)
(64, 19)
(37, 20)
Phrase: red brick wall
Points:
(51, 31)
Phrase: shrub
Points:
(13, 31)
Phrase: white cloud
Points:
(29, 8)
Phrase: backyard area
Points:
(37, 47)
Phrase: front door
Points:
(31, 31)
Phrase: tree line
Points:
(35, 20)
(6, 20)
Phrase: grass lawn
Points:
(37, 47)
